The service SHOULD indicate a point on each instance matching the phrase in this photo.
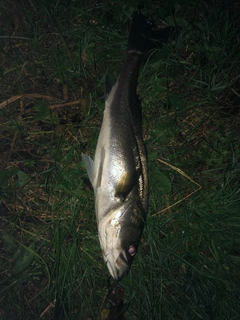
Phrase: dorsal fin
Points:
(108, 85)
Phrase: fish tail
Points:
(144, 36)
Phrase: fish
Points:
(119, 172)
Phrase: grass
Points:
(54, 56)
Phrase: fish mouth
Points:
(118, 267)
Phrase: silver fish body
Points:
(119, 171)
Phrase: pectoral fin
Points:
(89, 164)
(108, 85)
(100, 169)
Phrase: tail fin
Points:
(143, 35)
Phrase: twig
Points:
(66, 104)
(51, 305)
(41, 96)
(186, 176)
(25, 96)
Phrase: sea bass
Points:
(118, 173)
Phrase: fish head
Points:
(119, 237)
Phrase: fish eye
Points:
(132, 250)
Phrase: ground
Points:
(54, 57)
